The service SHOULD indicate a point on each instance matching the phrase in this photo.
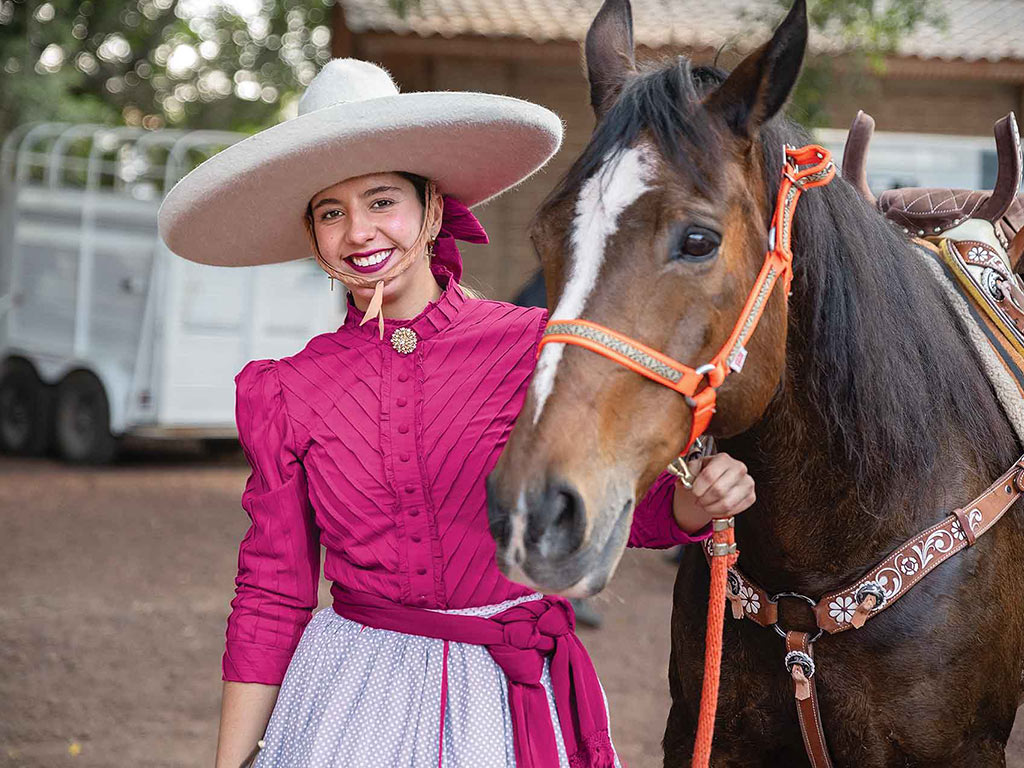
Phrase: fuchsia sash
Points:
(518, 639)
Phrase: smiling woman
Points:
(376, 225)
(376, 439)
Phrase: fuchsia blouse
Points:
(381, 458)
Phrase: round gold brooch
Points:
(403, 340)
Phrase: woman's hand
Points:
(722, 489)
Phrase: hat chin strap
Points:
(431, 218)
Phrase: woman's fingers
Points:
(737, 499)
(723, 488)
(724, 476)
(712, 469)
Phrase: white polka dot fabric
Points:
(359, 697)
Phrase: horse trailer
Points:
(103, 331)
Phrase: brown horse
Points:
(862, 413)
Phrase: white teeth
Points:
(369, 261)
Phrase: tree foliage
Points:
(232, 64)
(239, 64)
(865, 32)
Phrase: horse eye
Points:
(696, 244)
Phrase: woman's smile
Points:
(370, 261)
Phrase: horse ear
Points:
(609, 52)
(762, 82)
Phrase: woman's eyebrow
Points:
(368, 193)
(378, 190)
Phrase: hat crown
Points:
(346, 80)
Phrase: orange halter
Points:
(778, 265)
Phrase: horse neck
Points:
(813, 528)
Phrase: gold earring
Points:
(332, 282)
(430, 249)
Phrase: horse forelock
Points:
(664, 103)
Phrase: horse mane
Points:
(883, 360)
(888, 364)
(663, 102)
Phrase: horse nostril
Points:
(556, 527)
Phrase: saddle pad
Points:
(1001, 358)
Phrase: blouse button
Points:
(422, 599)
(416, 538)
(400, 402)
(404, 428)
(404, 457)
(410, 489)
(421, 571)
(403, 377)
(413, 512)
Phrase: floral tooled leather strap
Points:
(890, 579)
(900, 571)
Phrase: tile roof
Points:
(974, 29)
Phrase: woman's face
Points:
(365, 224)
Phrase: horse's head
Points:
(658, 232)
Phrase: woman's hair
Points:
(420, 184)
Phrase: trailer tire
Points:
(25, 410)
(82, 420)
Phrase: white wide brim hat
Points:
(245, 205)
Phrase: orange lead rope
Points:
(724, 556)
(802, 168)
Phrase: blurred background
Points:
(119, 472)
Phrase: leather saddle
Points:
(931, 213)
(977, 235)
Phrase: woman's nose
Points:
(360, 229)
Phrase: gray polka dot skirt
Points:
(359, 697)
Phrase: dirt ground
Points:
(115, 587)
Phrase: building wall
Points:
(557, 81)
(959, 107)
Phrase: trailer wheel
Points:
(25, 422)
(83, 420)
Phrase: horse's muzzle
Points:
(542, 540)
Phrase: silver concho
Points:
(990, 280)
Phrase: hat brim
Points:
(244, 206)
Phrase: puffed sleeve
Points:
(279, 558)
(654, 525)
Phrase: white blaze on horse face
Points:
(621, 180)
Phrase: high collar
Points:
(434, 317)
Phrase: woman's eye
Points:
(378, 204)
(696, 244)
(331, 214)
